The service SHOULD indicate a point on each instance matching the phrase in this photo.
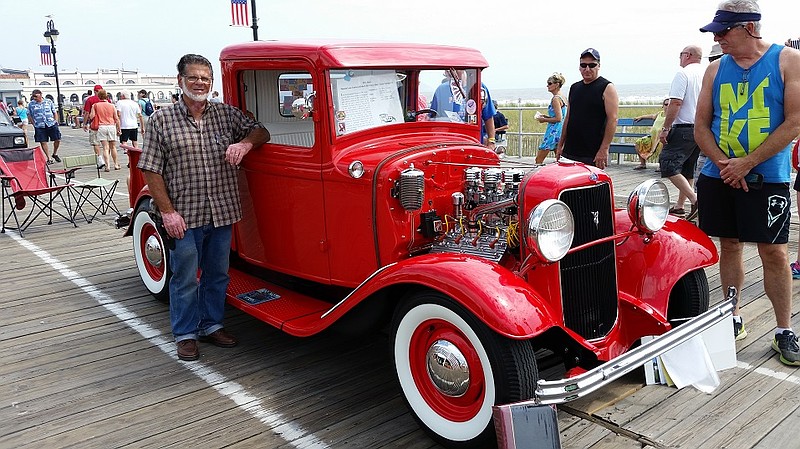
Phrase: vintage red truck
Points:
(367, 211)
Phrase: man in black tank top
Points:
(592, 115)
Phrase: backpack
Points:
(148, 108)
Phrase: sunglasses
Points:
(727, 30)
(550, 83)
(665, 105)
(591, 65)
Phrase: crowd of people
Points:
(126, 116)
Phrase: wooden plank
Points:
(779, 405)
(784, 434)
(681, 409)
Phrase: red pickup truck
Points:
(369, 211)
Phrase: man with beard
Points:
(192, 141)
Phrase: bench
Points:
(624, 137)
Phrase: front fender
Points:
(144, 195)
(650, 270)
(495, 295)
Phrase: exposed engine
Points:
(483, 219)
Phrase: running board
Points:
(565, 390)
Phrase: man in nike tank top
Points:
(747, 115)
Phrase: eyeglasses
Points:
(591, 65)
(685, 53)
(665, 105)
(727, 30)
(195, 79)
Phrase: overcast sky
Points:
(523, 40)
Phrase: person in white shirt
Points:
(130, 117)
(679, 155)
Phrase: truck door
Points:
(283, 226)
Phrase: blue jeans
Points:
(196, 307)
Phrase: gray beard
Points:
(192, 96)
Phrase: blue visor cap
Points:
(724, 19)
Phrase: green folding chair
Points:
(95, 196)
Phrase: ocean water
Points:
(628, 94)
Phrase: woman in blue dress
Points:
(554, 118)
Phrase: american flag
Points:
(44, 54)
(239, 16)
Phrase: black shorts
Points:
(45, 134)
(680, 153)
(129, 134)
(797, 182)
(758, 215)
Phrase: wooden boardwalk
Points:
(88, 361)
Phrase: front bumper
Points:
(565, 390)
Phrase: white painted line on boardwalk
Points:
(770, 373)
(292, 433)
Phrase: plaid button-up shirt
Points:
(190, 156)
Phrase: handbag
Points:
(95, 124)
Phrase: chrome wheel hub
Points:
(152, 251)
(448, 368)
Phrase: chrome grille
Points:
(589, 277)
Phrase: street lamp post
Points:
(51, 35)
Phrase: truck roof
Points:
(333, 53)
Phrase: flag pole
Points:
(255, 22)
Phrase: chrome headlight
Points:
(19, 141)
(550, 230)
(648, 205)
(356, 169)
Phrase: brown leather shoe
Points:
(187, 350)
(220, 338)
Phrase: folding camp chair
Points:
(24, 176)
(97, 193)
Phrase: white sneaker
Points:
(101, 163)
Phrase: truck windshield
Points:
(366, 99)
(451, 94)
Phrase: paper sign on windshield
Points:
(367, 101)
